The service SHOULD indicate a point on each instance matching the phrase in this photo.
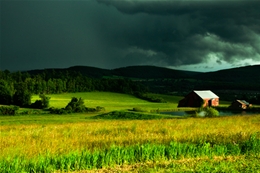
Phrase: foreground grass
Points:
(61, 138)
(200, 164)
(116, 155)
(95, 144)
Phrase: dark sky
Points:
(196, 35)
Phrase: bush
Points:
(30, 112)
(138, 109)
(76, 105)
(207, 112)
(58, 111)
(45, 101)
(211, 112)
(37, 104)
(8, 110)
(99, 108)
(41, 104)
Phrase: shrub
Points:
(206, 112)
(76, 105)
(58, 111)
(211, 112)
(31, 112)
(41, 104)
(45, 101)
(37, 104)
(99, 108)
(8, 110)
(138, 109)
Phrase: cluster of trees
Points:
(43, 103)
(75, 106)
(17, 88)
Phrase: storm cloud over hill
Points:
(113, 33)
(188, 32)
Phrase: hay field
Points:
(77, 143)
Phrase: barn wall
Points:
(211, 102)
(193, 100)
(215, 102)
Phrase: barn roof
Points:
(206, 94)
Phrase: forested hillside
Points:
(230, 84)
(16, 88)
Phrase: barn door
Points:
(210, 102)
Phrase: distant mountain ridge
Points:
(142, 72)
(152, 72)
(246, 73)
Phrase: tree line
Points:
(17, 88)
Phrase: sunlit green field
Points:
(115, 101)
(111, 101)
(78, 143)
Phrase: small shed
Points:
(240, 104)
(199, 98)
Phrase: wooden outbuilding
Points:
(240, 104)
(202, 98)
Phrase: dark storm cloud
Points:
(166, 7)
(115, 33)
(189, 32)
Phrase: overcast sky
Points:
(196, 35)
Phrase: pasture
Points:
(111, 101)
(78, 143)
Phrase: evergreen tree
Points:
(6, 92)
(22, 96)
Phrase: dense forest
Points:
(16, 88)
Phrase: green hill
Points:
(110, 101)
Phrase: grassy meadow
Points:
(110, 101)
(79, 143)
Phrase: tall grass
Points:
(99, 134)
(117, 155)
(216, 164)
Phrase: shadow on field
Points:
(127, 115)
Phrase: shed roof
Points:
(243, 102)
(206, 94)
